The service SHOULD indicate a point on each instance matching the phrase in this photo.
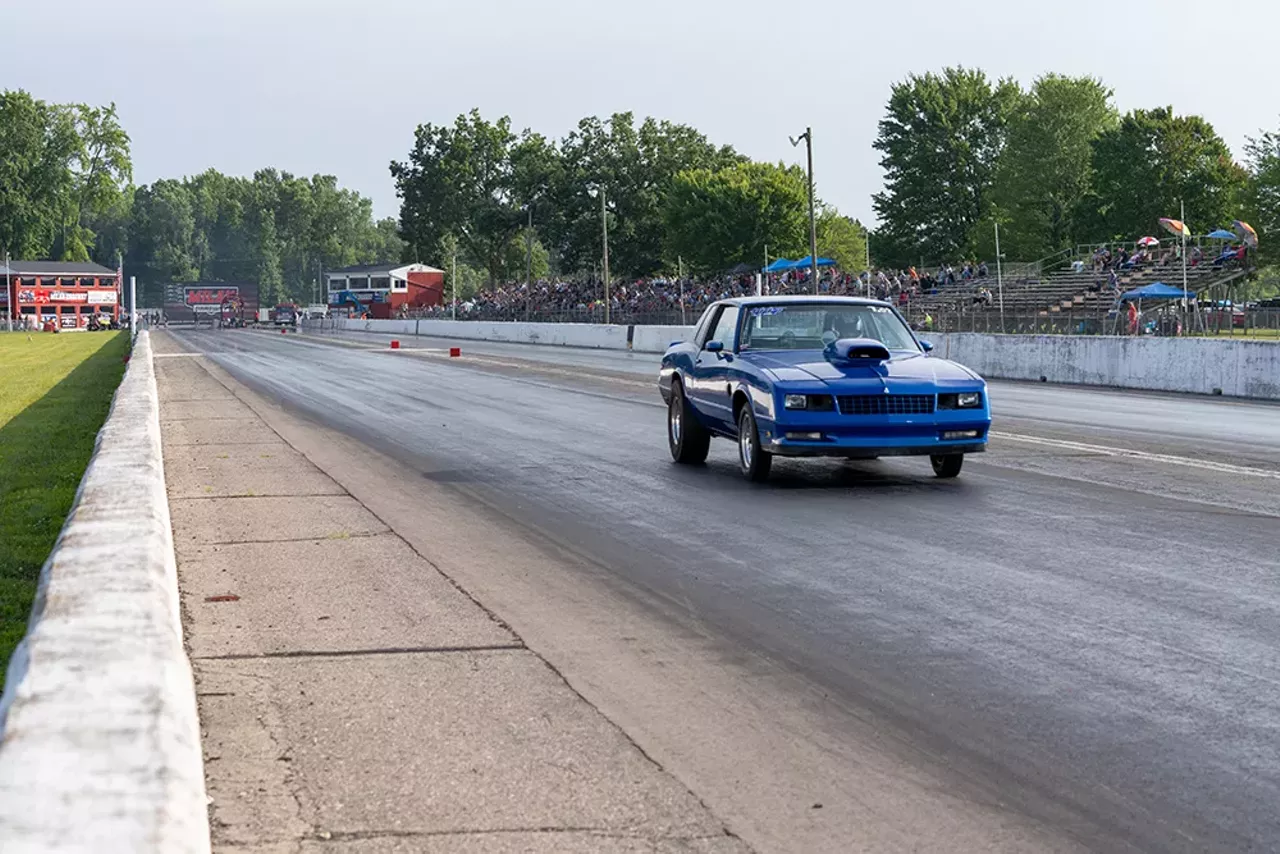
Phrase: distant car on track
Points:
(818, 377)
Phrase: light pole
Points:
(604, 225)
(9, 302)
(454, 276)
(528, 270)
(807, 136)
(999, 277)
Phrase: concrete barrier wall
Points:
(99, 736)
(590, 335)
(1195, 365)
(1201, 366)
(656, 339)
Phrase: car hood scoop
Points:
(809, 365)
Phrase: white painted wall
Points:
(1197, 365)
(100, 743)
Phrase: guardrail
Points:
(99, 735)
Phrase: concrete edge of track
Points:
(100, 741)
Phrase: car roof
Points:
(800, 299)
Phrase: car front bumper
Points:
(879, 440)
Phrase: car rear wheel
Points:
(947, 465)
(754, 460)
(688, 439)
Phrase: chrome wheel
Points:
(675, 417)
(755, 461)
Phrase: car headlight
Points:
(962, 400)
(796, 401)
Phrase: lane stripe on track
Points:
(1166, 459)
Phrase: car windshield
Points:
(805, 326)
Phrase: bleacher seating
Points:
(1068, 286)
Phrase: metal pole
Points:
(813, 222)
(1183, 206)
(999, 277)
(867, 235)
(680, 276)
(9, 303)
(528, 270)
(604, 224)
(133, 307)
(455, 282)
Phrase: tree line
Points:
(479, 189)
(1055, 166)
(67, 193)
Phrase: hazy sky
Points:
(338, 87)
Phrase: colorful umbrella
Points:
(1149, 241)
(1221, 234)
(1175, 226)
(1247, 234)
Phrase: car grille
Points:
(886, 404)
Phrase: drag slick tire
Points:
(947, 465)
(754, 461)
(688, 439)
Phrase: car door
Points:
(711, 371)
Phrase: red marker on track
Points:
(395, 345)
(454, 352)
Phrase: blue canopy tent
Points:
(1221, 234)
(822, 262)
(782, 265)
(1156, 290)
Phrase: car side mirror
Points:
(926, 346)
(713, 346)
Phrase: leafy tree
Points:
(841, 239)
(38, 142)
(718, 218)
(102, 171)
(1046, 169)
(1152, 161)
(459, 180)
(636, 168)
(1263, 157)
(940, 139)
(276, 229)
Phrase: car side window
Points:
(726, 326)
(704, 325)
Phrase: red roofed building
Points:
(382, 289)
(67, 292)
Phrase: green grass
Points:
(55, 392)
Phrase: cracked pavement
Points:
(354, 698)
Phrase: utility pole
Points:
(604, 223)
(454, 276)
(133, 307)
(528, 269)
(866, 233)
(807, 136)
(1000, 277)
(9, 303)
(680, 278)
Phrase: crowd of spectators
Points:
(664, 299)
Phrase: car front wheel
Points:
(688, 439)
(754, 460)
(947, 465)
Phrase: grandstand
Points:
(1068, 283)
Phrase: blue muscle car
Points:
(818, 376)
